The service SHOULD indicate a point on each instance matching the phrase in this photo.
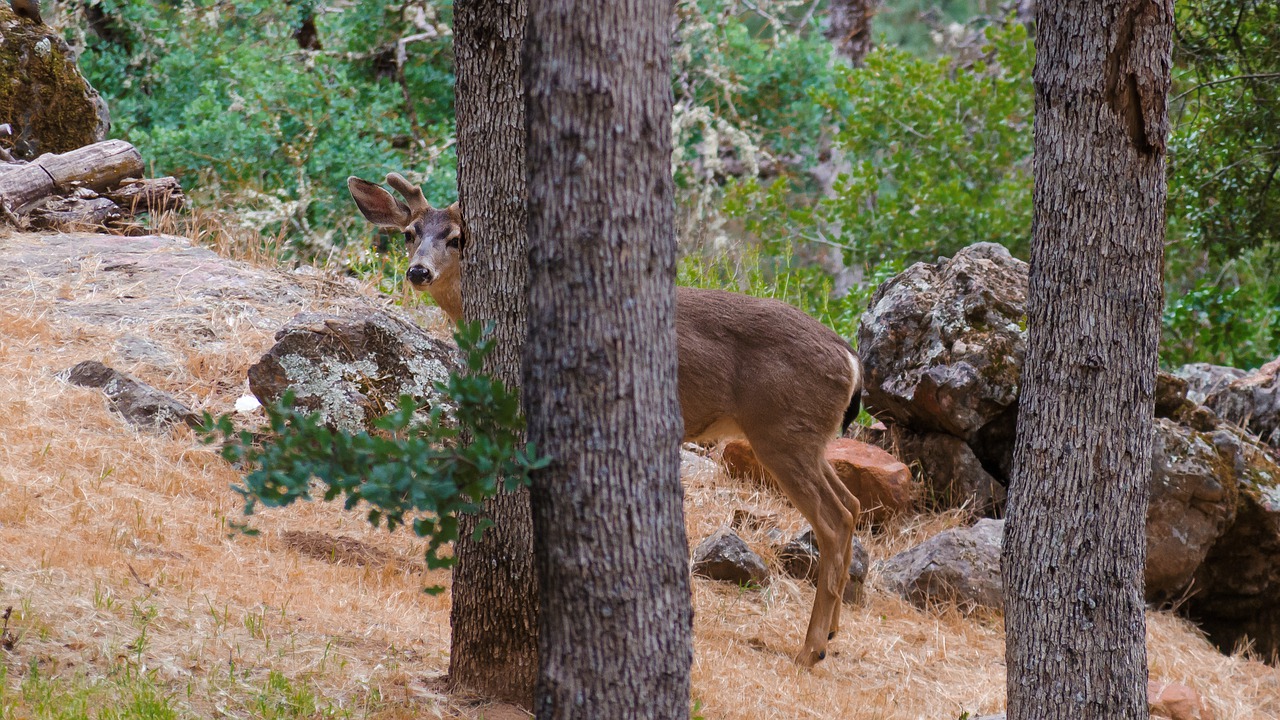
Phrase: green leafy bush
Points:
(222, 96)
(421, 475)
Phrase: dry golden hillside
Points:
(129, 591)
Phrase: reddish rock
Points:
(1175, 702)
(741, 462)
(881, 483)
(879, 480)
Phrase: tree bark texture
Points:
(495, 593)
(1075, 536)
(849, 28)
(600, 363)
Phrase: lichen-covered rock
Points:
(799, 559)
(724, 556)
(1235, 593)
(943, 345)
(1204, 378)
(960, 566)
(953, 476)
(43, 96)
(1193, 495)
(353, 369)
(136, 401)
(1252, 401)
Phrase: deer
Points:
(748, 367)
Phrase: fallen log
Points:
(73, 212)
(98, 166)
(153, 195)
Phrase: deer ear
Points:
(455, 214)
(377, 205)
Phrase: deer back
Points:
(747, 361)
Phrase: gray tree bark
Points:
(600, 363)
(849, 28)
(1075, 536)
(495, 594)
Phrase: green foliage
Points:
(948, 168)
(222, 96)
(1225, 153)
(422, 475)
(1230, 318)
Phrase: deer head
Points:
(434, 236)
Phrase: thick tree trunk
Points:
(1075, 538)
(495, 593)
(600, 364)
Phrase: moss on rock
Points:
(49, 104)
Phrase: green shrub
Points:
(222, 96)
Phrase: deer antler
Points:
(412, 193)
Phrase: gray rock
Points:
(137, 401)
(799, 559)
(1235, 594)
(1192, 502)
(960, 566)
(1203, 379)
(352, 369)
(953, 476)
(724, 556)
(943, 346)
(1252, 402)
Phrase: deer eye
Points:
(455, 243)
(408, 238)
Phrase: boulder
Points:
(952, 475)
(724, 556)
(43, 96)
(943, 345)
(352, 369)
(1203, 379)
(136, 401)
(1235, 593)
(882, 484)
(740, 463)
(1192, 502)
(1252, 401)
(960, 566)
(799, 559)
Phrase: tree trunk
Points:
(495, 593)
(600, 364)
(1075, 536)
(849, 28)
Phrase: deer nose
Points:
(419, 275)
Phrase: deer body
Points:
(748, 367)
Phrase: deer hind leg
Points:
(812, 486)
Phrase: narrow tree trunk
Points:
(600, 364)
(495, 593)
(1075, 538)
(849, 28)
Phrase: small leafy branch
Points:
(407, 471)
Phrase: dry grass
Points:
(115, 555)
